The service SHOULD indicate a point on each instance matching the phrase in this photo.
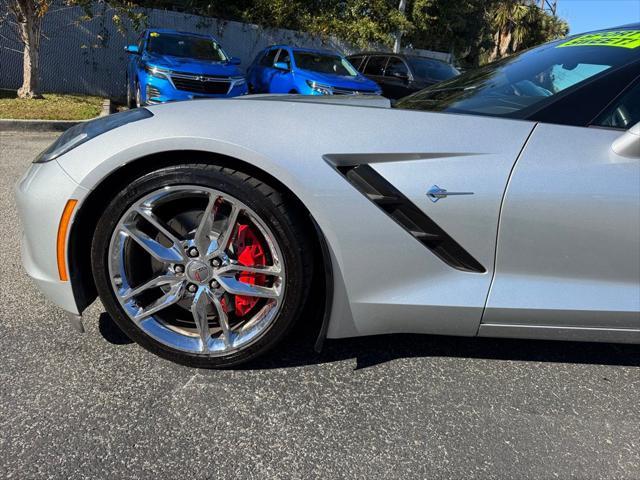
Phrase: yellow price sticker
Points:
(617, 38)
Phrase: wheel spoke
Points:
(203, 232)
(223, 320)
(236, 287)
(150, 217)
(220, 244)
(161, 253)
(199, 311)
(260, 270)
(169, 298)
(154, 282)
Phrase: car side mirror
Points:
(628, 144)
(235, 61)
(281, 66)
(400, 75)
(133, 49)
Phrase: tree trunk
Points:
(398, 35)
(493, 56)
(501, 42)
(505, 43)
(30, 23)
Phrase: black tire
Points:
(131, 103)
(138, 100)
(280, 215)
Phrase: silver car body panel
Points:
(42, 194)
(385, 280)
(569, 241)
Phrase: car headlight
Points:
(85, 131)
(321, 89)
(157, 72)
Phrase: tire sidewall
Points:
(138, 100)
(295, 289)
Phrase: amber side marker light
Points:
(61, 249)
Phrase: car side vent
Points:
(390, 200)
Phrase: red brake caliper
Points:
(250, 253)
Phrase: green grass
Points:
(51, 107)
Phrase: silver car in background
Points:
(504, 203)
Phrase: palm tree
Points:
(511, 26)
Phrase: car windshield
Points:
(199, 48)
(515, 86)
(324, 63)
(432, 69)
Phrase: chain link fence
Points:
(86, 55)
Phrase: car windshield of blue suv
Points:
(324, 63)
(199, 48)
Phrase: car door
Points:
(356, 61)
(280, 81)
(396, 78)
(264, 70)
(568, 254)
(135, 61)
(374, 69)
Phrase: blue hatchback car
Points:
(285, 69)
(166, 65)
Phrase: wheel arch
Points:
(86, 219)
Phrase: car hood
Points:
(190, 65)
(353, 100)
(359, 82)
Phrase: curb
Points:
(10, 125)
(36, 125)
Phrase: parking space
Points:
(95, 405)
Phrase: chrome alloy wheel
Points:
(176, 270)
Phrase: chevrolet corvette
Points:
(504, 202)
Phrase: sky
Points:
(586, 15)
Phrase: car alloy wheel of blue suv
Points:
(166, 65)
(284, 69)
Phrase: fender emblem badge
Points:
(435, 193)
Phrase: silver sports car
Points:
(502, 203)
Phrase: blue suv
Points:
(166, 65)
(284, 69)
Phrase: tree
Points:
(402, 8)
(521, 25)
(28, 15)
(475, 31)
(462, 28)
(479, 31)
(510, 27)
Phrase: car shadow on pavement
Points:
(376, 350)
(110, 331)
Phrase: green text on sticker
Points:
(618, 38)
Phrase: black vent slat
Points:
(419, 225)
(425, 235)
(383, 200)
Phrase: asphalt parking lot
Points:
(96, 406)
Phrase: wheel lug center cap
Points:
(198, 271)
